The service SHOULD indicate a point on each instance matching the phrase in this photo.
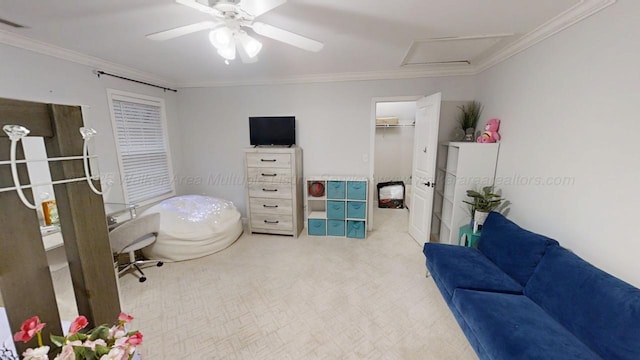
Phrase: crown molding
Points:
(571, 16)
(25, 43)
(342, 77)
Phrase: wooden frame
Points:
(25, 280)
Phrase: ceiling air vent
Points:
(11, 23)
(462, 50)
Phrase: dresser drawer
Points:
(271, 206)
(269, 160)
(272, 191)
(271, 222)
(269, 175)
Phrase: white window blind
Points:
(143, 152)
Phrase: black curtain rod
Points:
(100, 72)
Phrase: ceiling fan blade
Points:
(259, 7)
(287, 37)
(182, 30)
(200, 7)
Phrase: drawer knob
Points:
(270, 190)
(268, 160)
(269, 174)
(270, 206)
(271, 222)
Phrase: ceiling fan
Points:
(227, 28)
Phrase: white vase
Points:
(478, 219)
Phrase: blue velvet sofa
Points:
(520, 295)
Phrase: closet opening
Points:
(392, 161)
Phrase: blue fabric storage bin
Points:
(335, 210)
(355, 229)
(356, 209)
(335, 190)
(317, 227)
(335, 228)
(357, 190)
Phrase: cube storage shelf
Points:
(461, 166)
(340, 210)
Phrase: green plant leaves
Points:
(470, 114)
(485, 201)
(57, 340)
(101, 332)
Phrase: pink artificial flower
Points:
(79, 323)
(125, 318)
(135, 339)
(29, 329)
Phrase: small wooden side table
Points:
(467, 237)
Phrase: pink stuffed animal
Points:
(490, 134)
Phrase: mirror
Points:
(44, 197)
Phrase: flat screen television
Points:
(272, 130)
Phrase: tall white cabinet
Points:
(274, 190)
(461, 166)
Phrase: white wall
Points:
(333, 126)
(26, 75)
(569, 109)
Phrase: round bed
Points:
(193, 226)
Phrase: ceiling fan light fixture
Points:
(228, 52)
(250, 45)
(221, 37)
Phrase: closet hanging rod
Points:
(100, 72)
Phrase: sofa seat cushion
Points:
(515, 250)
(466, 268)
(600, 309)
(514, 327)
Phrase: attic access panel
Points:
(453, 50)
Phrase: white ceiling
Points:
(363, 38)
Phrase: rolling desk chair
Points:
(133, 235)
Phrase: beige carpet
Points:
(275, 297)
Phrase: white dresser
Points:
(274, 190)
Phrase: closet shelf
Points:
(394, 125)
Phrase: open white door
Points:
(424, 167)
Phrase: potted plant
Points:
(468, 119)
(483, 202)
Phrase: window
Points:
(143, 151)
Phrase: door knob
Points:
(424, 150)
